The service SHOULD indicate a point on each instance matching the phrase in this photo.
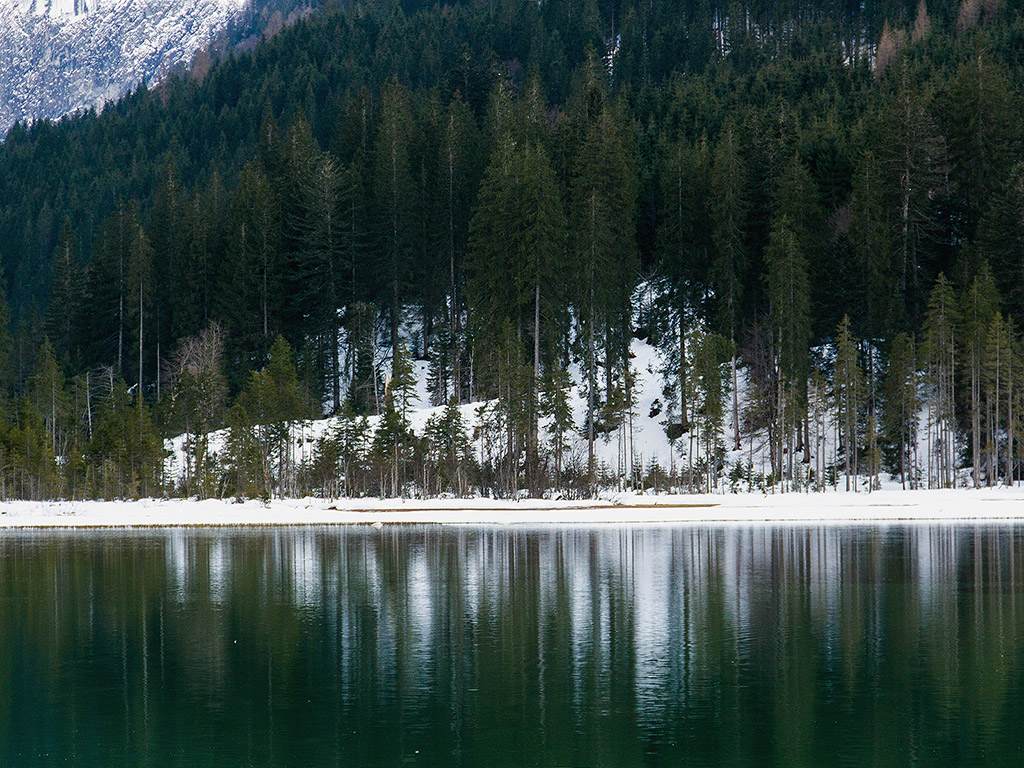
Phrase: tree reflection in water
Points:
(743, 646)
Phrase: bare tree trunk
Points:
(976, 417)
(735, 405)
(1009, 410)
(141, 313)
(591, 383)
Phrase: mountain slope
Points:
(58, 56)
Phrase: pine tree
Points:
(789, 297)
(908, 151)
(274, 403)
(938, 354)
(848, 389)
(365, 386)
(1002, 384)
(979, 305)
(603, 198)
(711, 354)
(140, 297)
(901, 405)
(110, 288)
(65, 300)
(728, 222)
(517, 245)
(249, 284)
(205, 277)
(31, 455)
(198, 395)
(392, 446)
(247, 467)
(173, 303)
(1001, 239)
(684, 250)
(393, 194)
(6, 344)
(353, 437)
(980, 126)
(403, 381)
(48, 399)
(870, 234)
(555, 407)
(125, 451)
(320, 230)
(450, 448)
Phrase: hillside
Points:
(61, 57)
(817, 201)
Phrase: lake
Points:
(507, 646)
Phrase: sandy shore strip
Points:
(881, 507)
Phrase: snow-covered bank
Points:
(1001, 504)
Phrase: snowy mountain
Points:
(58, 56)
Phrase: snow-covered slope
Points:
(641, 442)
(58, 56)
(617, 453)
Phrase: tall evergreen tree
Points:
(1001, 239)
(980, 303)
(848, 388)
(789, 297)
(871, 236)
(63, 311)
(603, 199)
(729, 213)
(393, 196)
(901, 405)
(248, 302)
(939, 357)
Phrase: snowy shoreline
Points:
(881, 507)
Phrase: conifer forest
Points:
(813, 210)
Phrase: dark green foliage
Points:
(901, 406)
(270, 407)
(125, 452)
(766, 168)
(450, 451)
(63, 322)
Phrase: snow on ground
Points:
(881, 507)
(641, 442)
(648, 440)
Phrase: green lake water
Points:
(504, 646)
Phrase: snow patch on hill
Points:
(59, 56)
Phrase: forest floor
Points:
(880, 507)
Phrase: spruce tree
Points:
(729, 208)
(603, 199)
(980, 303)
(938, 355)
(848, 389)
(871, 236)
(789, 297)
(450, 448)
(901, 405)
(1001, 239)
(981, 126)
(48, 397)
(393, 196)
(63, 310)
(909, 149)
(684, 250)
(140, 299)
(249, 282)
(322, 289)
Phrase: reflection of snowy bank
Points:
(882, 506)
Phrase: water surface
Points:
(496, 646)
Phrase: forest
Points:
(822, 200)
